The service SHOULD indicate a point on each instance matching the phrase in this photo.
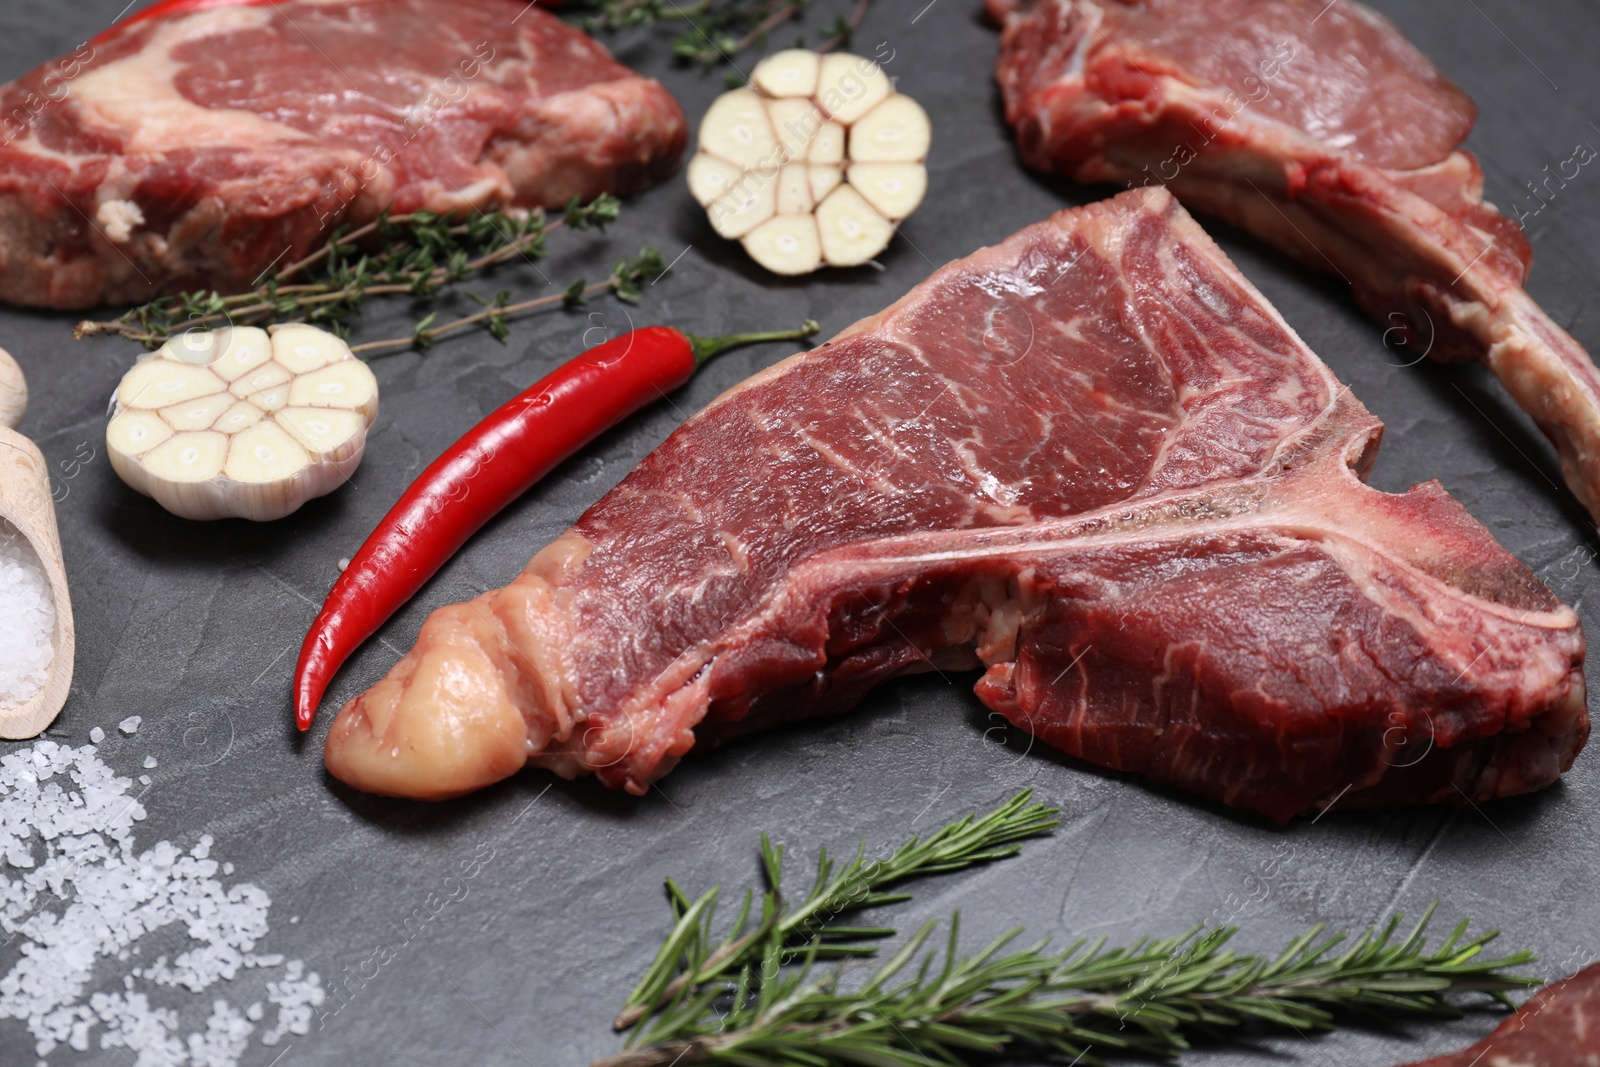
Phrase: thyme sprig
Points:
(419, 254)
(760, 994)
(624, 281)
(717, 30)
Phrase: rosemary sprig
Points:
(1077, 1004)
(760, 995)
(692, 956)
(419, 254)
(718, 29)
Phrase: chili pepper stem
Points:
(708, 348)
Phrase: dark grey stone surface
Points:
(194, 627)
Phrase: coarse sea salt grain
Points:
(97, 735)
(130, 725)
(27, 620)
(76, 898)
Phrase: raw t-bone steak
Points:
(1092, 461)
(197, 147)
(1315, 125)
(1559, 1026)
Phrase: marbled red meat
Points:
(197, 148)
(1319, 128)
(1559, 1026)
(1091, 461)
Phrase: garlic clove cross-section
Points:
(241, 422)
(852, 230)
(894, 189)
(814, 164)
(792, 72)
(786, 244)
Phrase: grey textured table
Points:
(194, 627)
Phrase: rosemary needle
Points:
(691, 957)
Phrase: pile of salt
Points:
(80, 899)
(27, 620)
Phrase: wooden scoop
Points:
(26, 505)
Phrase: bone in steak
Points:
(197, 148)
(1559, 1026)
(1092, 460)
(1319, 128)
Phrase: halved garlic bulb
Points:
(815, 163)
(243, 423)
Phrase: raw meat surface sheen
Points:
(1091, 461)
(197, 149)
(1320, 129)
(1559, 1026)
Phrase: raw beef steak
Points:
(1559, 1026)
(196, 148)
(1094, 462)
(1319, 128)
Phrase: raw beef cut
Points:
(1092, 460)
(1559, 1026)
(1316, 126)
(196, 148)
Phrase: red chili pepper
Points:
(497, 461)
